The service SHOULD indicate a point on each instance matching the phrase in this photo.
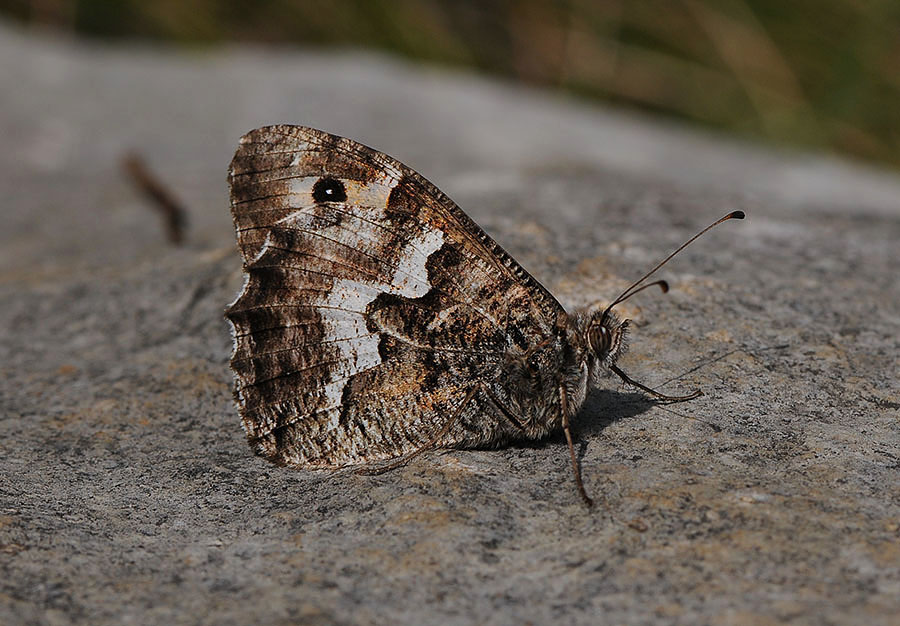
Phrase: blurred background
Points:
(815, 74)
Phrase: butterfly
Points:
(377, 320)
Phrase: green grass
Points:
(821, 74)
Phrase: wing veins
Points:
(446, 274)
(469, 303)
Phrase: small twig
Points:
(163, 200)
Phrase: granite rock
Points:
(128, 492)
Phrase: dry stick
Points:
(163, 200)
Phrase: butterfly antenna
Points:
(635, 287)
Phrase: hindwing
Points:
(371, 306)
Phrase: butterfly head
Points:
(604, 337)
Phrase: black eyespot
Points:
(329, 189)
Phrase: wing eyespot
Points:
(329, 189)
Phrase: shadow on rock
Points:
(603, 407)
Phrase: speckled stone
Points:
(128, 494)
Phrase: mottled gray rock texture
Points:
(129, 496)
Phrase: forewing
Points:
(371, 306)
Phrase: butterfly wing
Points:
(371, 303)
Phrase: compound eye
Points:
(599, 339)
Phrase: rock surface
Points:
(129, 495)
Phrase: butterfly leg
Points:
(448, 424)
(564, 405)
(576, 469)
(655, 394)
(514, 419)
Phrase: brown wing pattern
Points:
(371, 302)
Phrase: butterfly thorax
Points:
(529, 383)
